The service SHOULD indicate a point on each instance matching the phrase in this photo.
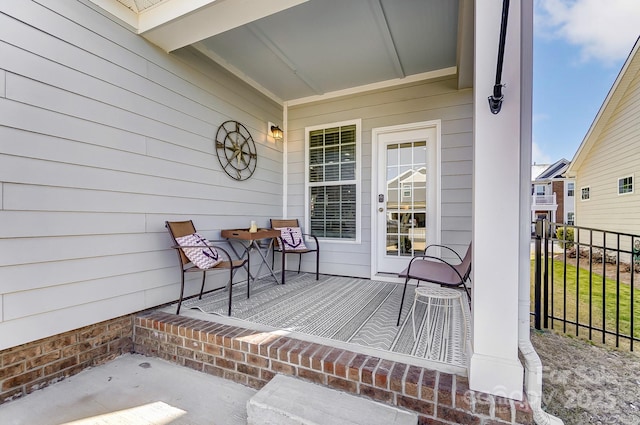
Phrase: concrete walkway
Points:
(133, 389)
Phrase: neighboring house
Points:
(109, 111)
(606, 166)
(552, 193)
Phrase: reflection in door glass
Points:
(406, 198)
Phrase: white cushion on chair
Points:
(292, 238)
(199, 251)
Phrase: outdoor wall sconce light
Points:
(276, 132)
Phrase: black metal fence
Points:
(585, 282)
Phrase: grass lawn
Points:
(590, 300)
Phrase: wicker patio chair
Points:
(181, 229)
(428, 268)
(292, 242)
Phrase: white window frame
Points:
(630, 176)
(582, 198)
(357, 181)
(573, 190)
(540, 186)
(571, 218)
(406, 190)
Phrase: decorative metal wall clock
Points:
(236, 150)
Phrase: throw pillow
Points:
(292, 238)
(199, 251)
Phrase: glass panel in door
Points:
(406, 195)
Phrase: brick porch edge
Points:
(252, 358)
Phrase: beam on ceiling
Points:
(464, 54)
(213, 18)
(385, 32)
(202, 48)
(269, 44)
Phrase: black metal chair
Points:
(178, 229)
(285, 248)
(428, 268)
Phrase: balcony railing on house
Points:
(585, 282)
(543, 199)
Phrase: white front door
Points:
(406, 206)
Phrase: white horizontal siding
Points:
(431, 100)
(103, 138)
(615, 154)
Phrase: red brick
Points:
(368, 368)
(225, 364)
(266, 375)
(258, 361)
(376, 393)
(239, 342)
(445, 388)
(312, 375)
(318, 356)
(524, 414)
(482, 403)
(305, 356)
(330, 359)
(20, 380)
(355, 367)
(503, 408)
(213, 370)
(415, 405)
(249, 370)
(295, 352)
(214, 350)
(59, 341)
(178, 341)
(13, 370)
(381, 374)
(187, 353)
(204, 357)
(463, 395)
(397, 376)
(424, 420)
(342, 384)
(412, 382)
(284, 368)
(275, 345)
(340, 367)
(237, 356)
(194, 364)
(264, 345)
(11, 395)
(283, 351)
(457, 416)
(15, 356)
(428, 385)
(235, 377)
(60, 365)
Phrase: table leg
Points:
(264, 260)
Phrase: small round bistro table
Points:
(432, 294)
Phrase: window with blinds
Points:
(332, 182)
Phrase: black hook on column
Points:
(495, 100)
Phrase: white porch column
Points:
(494, 366)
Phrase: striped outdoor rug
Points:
(353, 310)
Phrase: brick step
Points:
(290, 401)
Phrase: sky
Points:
(579, 49)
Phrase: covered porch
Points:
(111, 113)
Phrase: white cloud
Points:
(604, 30)
(538, 156)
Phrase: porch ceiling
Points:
(297, 49)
